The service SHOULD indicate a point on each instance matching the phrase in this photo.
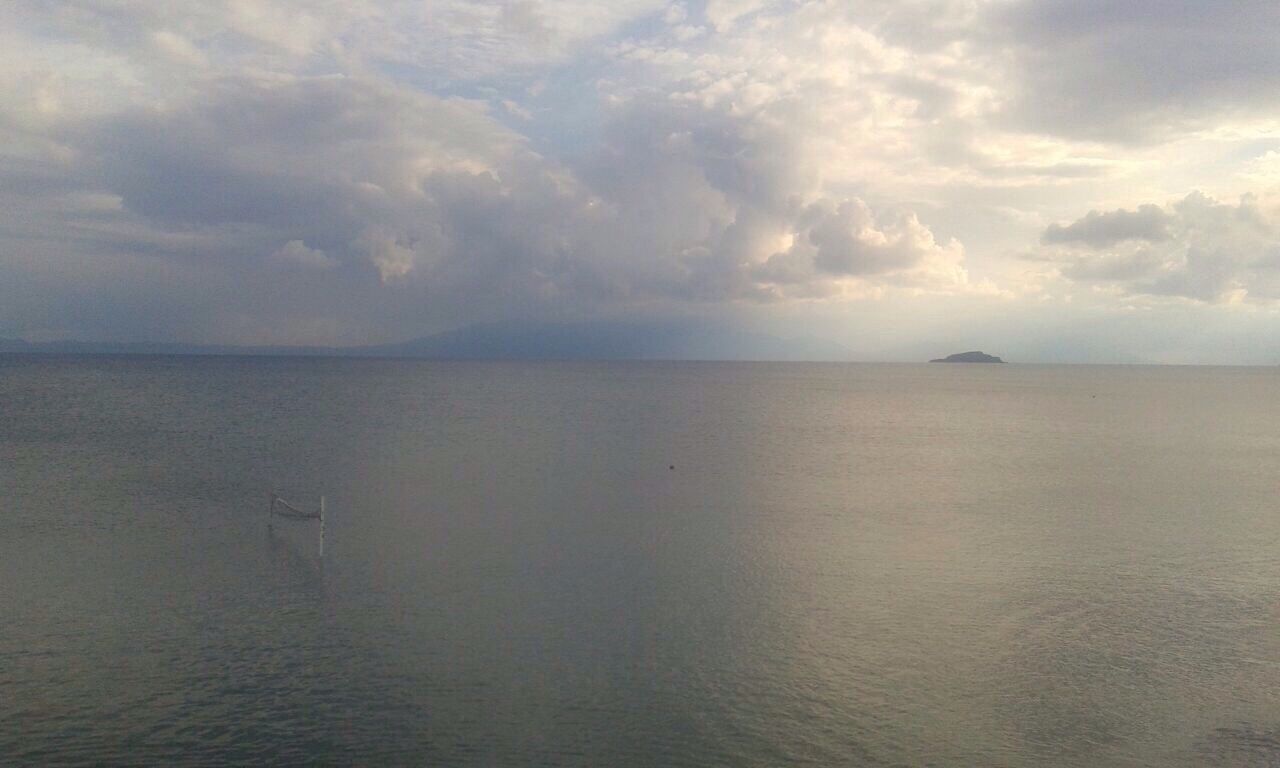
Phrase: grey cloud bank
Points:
(1197, 248)
(1099, 230)
(331, 174)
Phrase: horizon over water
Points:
(638, 563)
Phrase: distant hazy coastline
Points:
(507, 341)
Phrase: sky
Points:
(1048, 180)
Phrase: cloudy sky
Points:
(1081, 180)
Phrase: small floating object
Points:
(278, 507)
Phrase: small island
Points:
(968, 357)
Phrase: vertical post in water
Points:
(322, 526)
(271, 507)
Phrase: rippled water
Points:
(848, 564)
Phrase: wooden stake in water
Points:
(322, 526)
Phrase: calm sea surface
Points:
(848, 565)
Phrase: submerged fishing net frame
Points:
(278, 507)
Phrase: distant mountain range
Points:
(509, 341)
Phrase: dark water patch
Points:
(1241, 745)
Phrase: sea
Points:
(637, 563)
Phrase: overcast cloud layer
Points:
(1063, 179)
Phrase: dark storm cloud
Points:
(386, 190)
(1135, 70)
(270, 193)
(1099, 230)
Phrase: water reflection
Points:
(872, 565)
